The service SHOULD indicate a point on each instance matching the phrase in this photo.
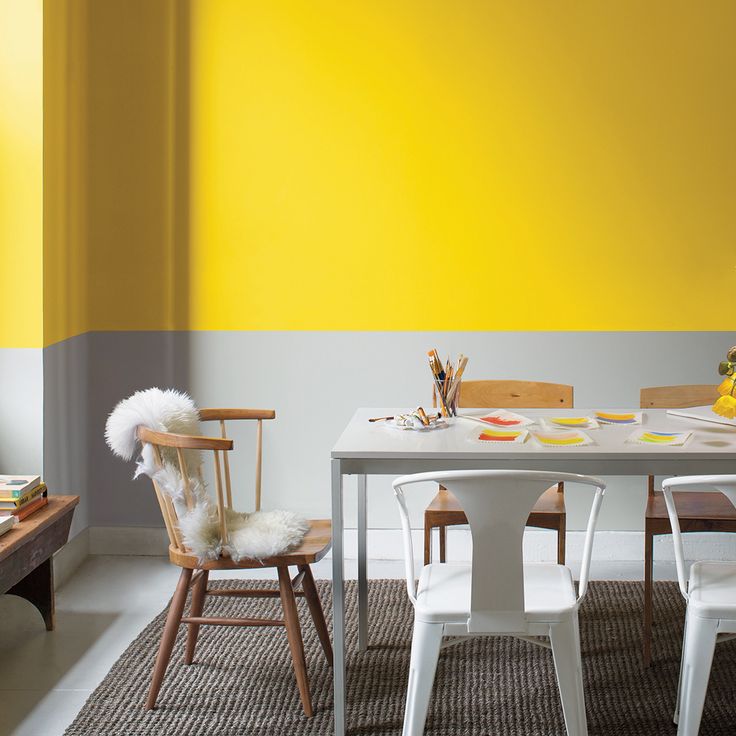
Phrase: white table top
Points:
(711, 448)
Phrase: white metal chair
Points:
(710, 592)
(497, 594)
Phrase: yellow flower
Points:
(725, 407)
(726, 386)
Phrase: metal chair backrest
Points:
(497, 504)
(726, 484)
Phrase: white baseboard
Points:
(386, 544)
(541, 546)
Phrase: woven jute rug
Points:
(242, 681)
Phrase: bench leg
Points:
(38, 588)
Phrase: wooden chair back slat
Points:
(515, 395)
(174, 536)
(188, 497)
(220, 498)
(211, 415)
(161, 497)
(259, 462)
(184, 441)
(678, 397)
(228, 487)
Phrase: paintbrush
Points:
(430, 417)
(462, 362)
(438, 387)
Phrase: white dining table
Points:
(366, 448)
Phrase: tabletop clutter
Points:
(446, 390)
(502, 425)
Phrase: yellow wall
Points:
(381, 165)
(113, 118)
(21, 150)
(527, 165)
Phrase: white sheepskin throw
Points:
(253, 536)
(161, 411)
(257, 536)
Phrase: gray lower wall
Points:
(315, 380)
(21, 410)
(84, 377)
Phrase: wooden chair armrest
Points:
(211, 415)
(183, 441)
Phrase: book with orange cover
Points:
(29, 508)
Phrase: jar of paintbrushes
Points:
(446, 382)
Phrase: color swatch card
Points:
(582, 422)
(610, 417)
(571, 438)
(504, 418)
(652, 437)
(514, 436)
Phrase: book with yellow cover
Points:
(17, 503)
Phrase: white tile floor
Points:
(45, 677)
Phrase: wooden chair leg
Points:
(443, 543)
(561, 533)
(173, 619)
(294, 634)
(315, 608)
(648, 597)
(427, 542)
(199, 590)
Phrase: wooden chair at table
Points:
(549, 511)
(194, 575)
(698, 512)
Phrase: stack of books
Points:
(20, 496)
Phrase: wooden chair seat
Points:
(316, 545)
(698, 512)
(446, 509)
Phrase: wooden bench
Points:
(26, 568)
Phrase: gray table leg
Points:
(362, 565)
(338, 600)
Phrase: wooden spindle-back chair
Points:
(194, 574)
(549, 512)
(698, 512)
